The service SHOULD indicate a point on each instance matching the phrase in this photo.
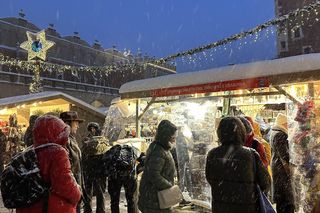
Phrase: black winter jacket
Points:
(282, 180)
(230, 172)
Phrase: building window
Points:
(60, 75)
(283, 45)
(97, 104)
(75, 74)
(297, 33)
(279, 9)
(307, 49)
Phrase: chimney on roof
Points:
(22, 21)
(76, 35)
(51, 30)
(96, 44)
(21, 14)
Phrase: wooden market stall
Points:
(263, 78)
(24, 106)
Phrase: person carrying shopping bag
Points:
(159, 170)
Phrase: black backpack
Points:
(21, 182)
(121, 160)
(125, 160)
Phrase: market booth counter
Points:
(196, 101)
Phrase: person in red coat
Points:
(253, 143)
(54, 167)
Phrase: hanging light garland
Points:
(49, 67)
(226, 54)
(298, 12)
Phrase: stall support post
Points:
(311, 90)
(147, 107)
(290, 97)
(226, 104)
(138, 135)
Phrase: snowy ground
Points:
(2, 208)
(122, 207)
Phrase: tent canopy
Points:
(243, 76)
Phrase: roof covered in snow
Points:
(268, 68)
(45, 96)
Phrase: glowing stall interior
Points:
(195, 102)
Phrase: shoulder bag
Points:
(264, 203)
(169, 197)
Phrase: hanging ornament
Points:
(305, 111)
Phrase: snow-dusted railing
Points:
(26, 79)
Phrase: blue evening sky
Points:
(159, 28)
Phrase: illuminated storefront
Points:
(195, 102)
(22, 107)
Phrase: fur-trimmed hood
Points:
(281, 123)
(166, 129)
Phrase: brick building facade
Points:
(297, 36)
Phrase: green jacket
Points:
(158, 175)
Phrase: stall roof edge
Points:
(267, 68)
(44, 96)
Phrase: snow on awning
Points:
(242, 76)
(45, 96)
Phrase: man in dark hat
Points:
(71, 118)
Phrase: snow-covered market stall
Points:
(16, 111)
(196, 101)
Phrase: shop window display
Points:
(196, 136)
(11, 140)
(197, 117)
(304, 144)
(196, 121)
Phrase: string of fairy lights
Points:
(50, 67)
(122, 71)
(238, 51)
(306, 15)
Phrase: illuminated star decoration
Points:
(37, 45)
